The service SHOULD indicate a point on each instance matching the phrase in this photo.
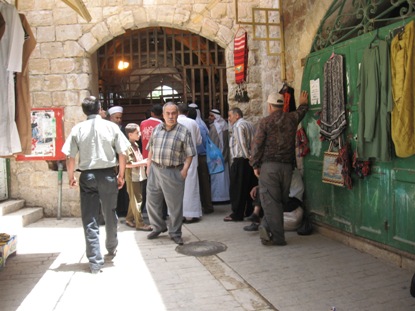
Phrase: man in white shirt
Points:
(98, 142)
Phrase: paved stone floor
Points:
(311, 273)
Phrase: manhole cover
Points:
(201, 248)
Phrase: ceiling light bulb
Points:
(123, 65)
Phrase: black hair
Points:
(157, 109)
(237, 111)
(192, 114)
(183, 108)
(91, 105)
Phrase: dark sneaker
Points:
(112, 253)
(96, 271)
(264, 234)
(273, 243)
(190, 220)
(207, 210)
(155, 234)
(178, 240)
(254, 218)
(252, 227)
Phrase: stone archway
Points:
(193, 66)
(63, 70)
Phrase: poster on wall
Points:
(47, 135)
(315, 92)
(4, 193)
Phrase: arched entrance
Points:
(159, 64)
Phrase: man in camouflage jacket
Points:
(273, 159)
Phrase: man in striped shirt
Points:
(242, 178)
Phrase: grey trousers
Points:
(168, 184)
(274, 189)
(99, 189)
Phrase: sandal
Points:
(130, 224)
(144, 228)
(228, 218)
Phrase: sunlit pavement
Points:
(51, 272)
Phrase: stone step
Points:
(11, 223)
(10, 206)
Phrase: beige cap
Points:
(115, 109)
(275, 99)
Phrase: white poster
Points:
(4, 193)
(315, 92)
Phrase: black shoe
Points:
(252, 227)
(264, 234)
(112, 253)
(177, 240)
(412, 290)
(96, 270)
(190, 221)
(254, 218)
(153, 235)
(207, 211)
(272, 243)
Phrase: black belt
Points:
(180, 166)
(113, 168)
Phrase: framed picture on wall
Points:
(47, 135)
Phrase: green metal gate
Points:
(379, 207)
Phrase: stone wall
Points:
(63, 66)
(301, 21)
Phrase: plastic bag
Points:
(293, 220)
(214, 158)
(306, 227)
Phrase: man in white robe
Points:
(219, 134)
(192, 207)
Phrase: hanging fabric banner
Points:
(333, 113)
(241, 57)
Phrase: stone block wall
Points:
(301, 21)
(62, 68)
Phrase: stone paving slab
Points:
(51, 272)
(311, 272)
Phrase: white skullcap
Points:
(215, 111)
(115, 109)
(276, 99)
(193, 105)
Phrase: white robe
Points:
(11, 59)
(192, 206)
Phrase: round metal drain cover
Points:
(201, 248)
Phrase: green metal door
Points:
(379, 207)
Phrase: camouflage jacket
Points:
(274, 139)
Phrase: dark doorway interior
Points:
(158, 65)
